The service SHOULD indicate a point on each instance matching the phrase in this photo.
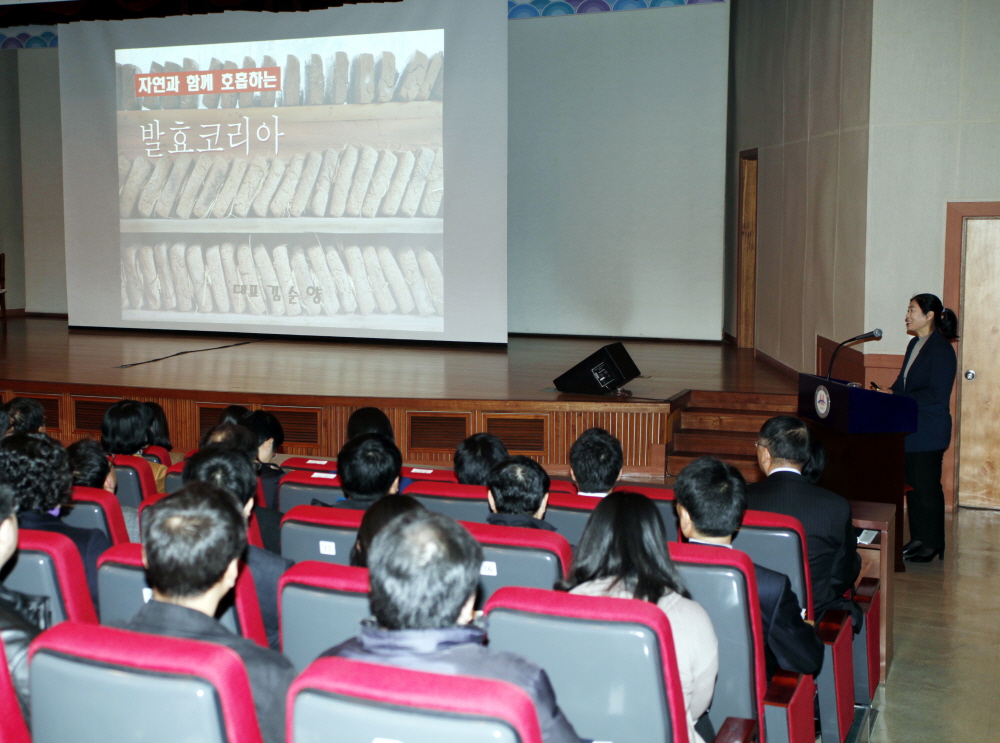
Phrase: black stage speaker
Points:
(602, 373)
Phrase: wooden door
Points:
(979, 353)
(746, 252)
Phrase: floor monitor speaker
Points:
(602, 373)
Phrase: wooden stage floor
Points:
(434, 394)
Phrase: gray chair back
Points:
(173, 482)
(302, 540)
(570, 522)
(87, 702)
(721, 590)
(34, 572)
(780, 549)
(86, 515)
(317, 617)
(291, 494)
(359, 721)
(460, 509)
(129, 491)
(516, 566)
(607, 675)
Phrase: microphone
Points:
(870, 335)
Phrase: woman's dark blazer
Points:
(929, 383)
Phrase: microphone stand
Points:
(875, 334)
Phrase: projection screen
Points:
(285, 173)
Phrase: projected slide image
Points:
(302, 185)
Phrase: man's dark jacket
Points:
(791, 644)
(90, 542)
(460, 651)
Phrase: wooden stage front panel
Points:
(435, 395)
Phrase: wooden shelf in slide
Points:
(270, 225)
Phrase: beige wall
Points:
(11, 235)
(935, 138)
(801, 97)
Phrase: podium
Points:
(863, 432)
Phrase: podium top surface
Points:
(854, 409)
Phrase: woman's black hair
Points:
(945, 320)
(264, 425)
(159, 430)
(232, 414)
(369, 420)
(125, 428)
(377, 517)
(813, 469)
(625, 540)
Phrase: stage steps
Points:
(724, 424)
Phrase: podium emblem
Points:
(821, 401)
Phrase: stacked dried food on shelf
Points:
(357, 181)
(281, 280)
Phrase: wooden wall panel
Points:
(546, 430)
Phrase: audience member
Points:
(476, 456)
(125, 430)
(369, 420)
(232, 471)
(518, 494)
(623, 554)
(232, 414)
(368, 466)
(711, 499)
(22, 617)
(784, 450)
(270, 436)
(595, 462)
(25, 415)
(424, 571)
(4, 421)
(37, 468)
(234, 437)
(380, 513)
(192, 541)
(92, 469)
(159, 429)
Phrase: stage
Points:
(435, 394)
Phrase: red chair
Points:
(562, 486)
(778, 542)
(175, 477)
(89, 682)
(353, 698)
(867, 643)
(49, 564)
(835, 683)
(629, 658)
(158, 454)
(13, 728)
(302, 487)
(320, 605)
(320, 533)
(724, 583)
(95, 508)
(515, 556)
(570, 513)
(135, 479)
(254, 536)
(429, 473)
(122, 588)
(312, 464)
(461, 502)
(664, 500)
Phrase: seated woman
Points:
(159, 429)
(37, 468)
(379, 513)
(623, 554)
(270, 436)
(125, 430)
(92, 469)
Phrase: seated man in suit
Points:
(784, 448)
(22, 617)
(518, 494)
(424, 571)
(37, 467)
(368, 466)
(711, 499)
(270, 436)
(595, 462)
(232, 471)
(191, 544)
(239, 438)
(476, 456)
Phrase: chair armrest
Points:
(788, 707)
(737, 730)
(865, 591)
